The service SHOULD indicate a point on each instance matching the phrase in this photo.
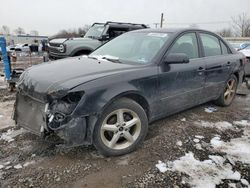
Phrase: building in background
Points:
(24, 39)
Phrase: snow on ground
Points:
(162, 167)
(221, 125)
(11, 134)
(211, 172)
(238, 148)
(203, 174)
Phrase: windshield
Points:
(95, 31)
(138, 48)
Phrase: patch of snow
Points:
(11, 134)
(1, 166)
(242, 123)
(183, 119)
(7, 163)
(232, 185)
(244, 182)
(179, 143)
(162, 167)
(33, 155)
(221, 125)
(18, 166)
(217, 159)
(199, 136)
(216, 142)
(1, 115)
(196, 140)
(237, 149)
(198, 146)
(28, 163)
(205, 174)
(8, 167)
(235, 176)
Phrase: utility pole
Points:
(161, 20)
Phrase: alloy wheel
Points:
(230, 90)
(120, 129)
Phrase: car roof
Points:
(169, 30)
(122, 24)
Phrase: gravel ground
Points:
(28, 161)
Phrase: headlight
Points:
(61, 48)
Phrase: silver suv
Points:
(98, 34)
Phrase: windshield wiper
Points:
(92, 57)
(112, 59)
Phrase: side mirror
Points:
(176, 58)
(104, 37)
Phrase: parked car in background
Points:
(22, 48)
(239, 46)
(11, 48)
(109, 97)
(246, 52)
(98, 34)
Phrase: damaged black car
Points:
(109, 97)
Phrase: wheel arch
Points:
(135, 96)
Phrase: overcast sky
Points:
(50, 16)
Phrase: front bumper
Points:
(33, 115)
(56, 56)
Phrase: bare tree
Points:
(19, 31)
(80, 32)
(241, 25)
(34, 33)
(226, 32)
(5, 30)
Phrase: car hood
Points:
(63, 75)
(58, 41)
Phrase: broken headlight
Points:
(60, 109)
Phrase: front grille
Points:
(55, 44)
(53, 47)
(30, 114)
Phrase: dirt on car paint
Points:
(29, 161)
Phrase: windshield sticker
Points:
(158, 34)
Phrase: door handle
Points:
(201, 69)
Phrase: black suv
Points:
(98, 34)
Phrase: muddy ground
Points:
(28, 161)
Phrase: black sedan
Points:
(109, 97)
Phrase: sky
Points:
(50, 16)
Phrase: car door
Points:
(218, 65)
(181, 85)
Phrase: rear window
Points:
(211, 45)
(224, 48)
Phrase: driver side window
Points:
(114, 32)
(186, 44)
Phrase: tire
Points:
(227, 96)
(121, 128)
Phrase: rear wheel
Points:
(229, 92)
(121, 128)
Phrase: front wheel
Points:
(121, 128)
(229, 92)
